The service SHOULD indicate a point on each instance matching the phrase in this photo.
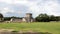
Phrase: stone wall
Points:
(16, 20)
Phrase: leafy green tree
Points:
(1, 17)
(42, 18)
(52, 18)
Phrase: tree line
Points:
(9, 18)
(39, 18)
(47, 18)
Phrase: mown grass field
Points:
(51, 27)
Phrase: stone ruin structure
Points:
(28, 18)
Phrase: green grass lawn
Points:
(51, 27)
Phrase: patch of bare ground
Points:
(5, 31)
(32, 32)
(11, 31)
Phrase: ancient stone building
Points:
(16, 20)
(28, 18)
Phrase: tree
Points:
(1, 17)
(7, 18)
(42, 18)
(52, 18)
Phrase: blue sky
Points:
(20, 7)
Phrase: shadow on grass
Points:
(15, 32)
(36, 33)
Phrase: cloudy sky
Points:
(20, 7)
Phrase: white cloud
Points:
(6, 1)
(5, 10)
(35, 6)
(14, 1)
(49, 7)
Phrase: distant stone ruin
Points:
(28, 18)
